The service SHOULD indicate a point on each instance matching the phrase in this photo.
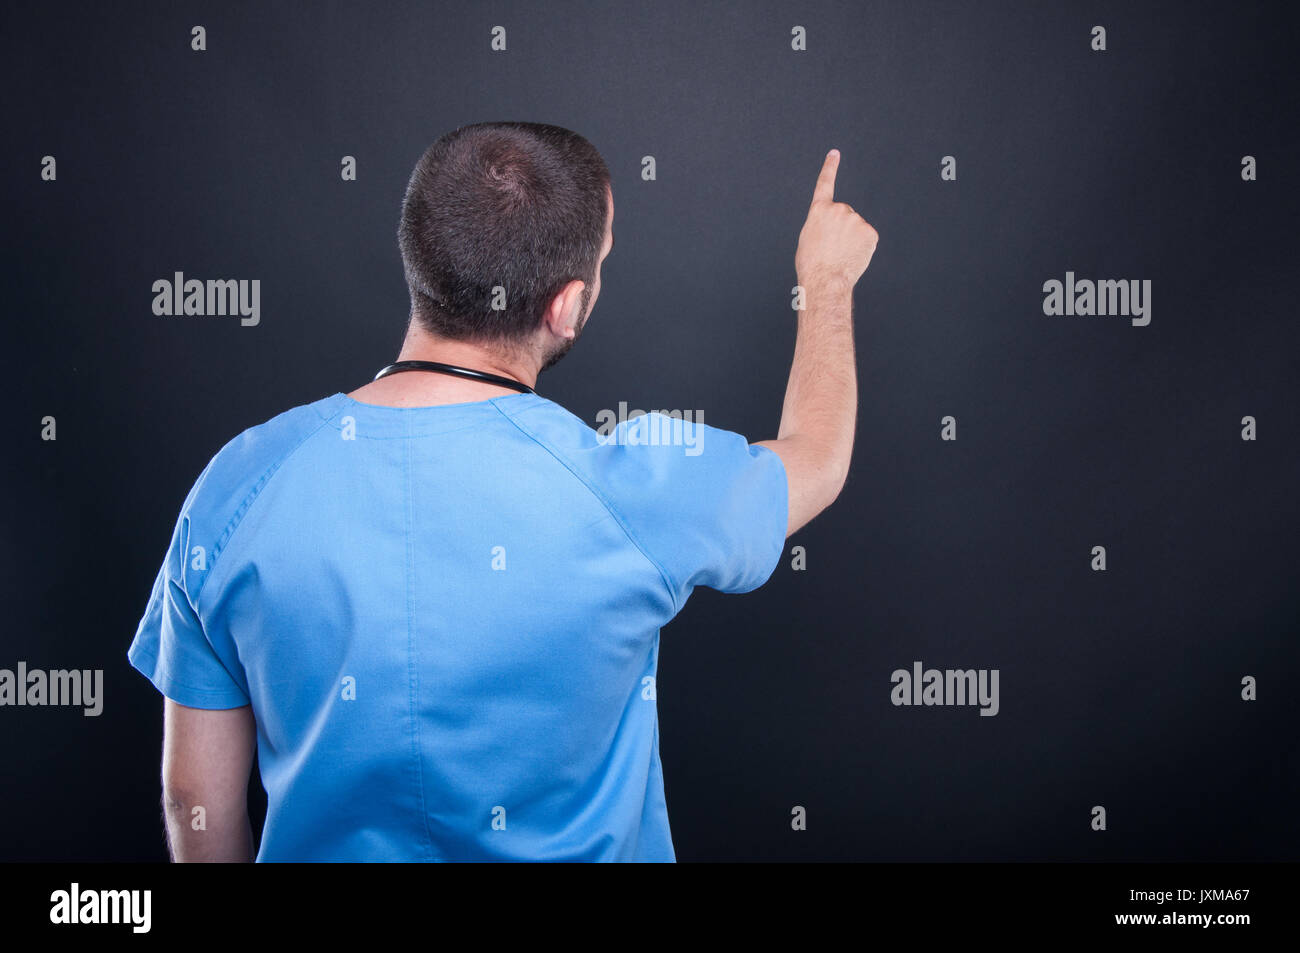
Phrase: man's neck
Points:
(421, 388)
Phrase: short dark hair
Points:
(519, 205)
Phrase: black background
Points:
(1118, 688)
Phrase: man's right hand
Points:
(836, 243)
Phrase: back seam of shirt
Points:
(412, 669)
(237, 520)
(609, 507)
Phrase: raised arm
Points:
(815, 439)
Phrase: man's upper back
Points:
(446, 618)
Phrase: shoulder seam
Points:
(609, 507)
(245, 505)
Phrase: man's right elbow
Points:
(826, 494)
(835, 484)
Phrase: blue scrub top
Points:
(446, 619)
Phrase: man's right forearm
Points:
(819, 415)
(821, 397)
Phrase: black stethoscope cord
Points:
(455, 371)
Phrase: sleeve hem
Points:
(147, 665)
(783, 524)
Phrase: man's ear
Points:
(566, 310)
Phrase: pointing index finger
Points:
(825, 190)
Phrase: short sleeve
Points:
(171, 648)
(705, 504)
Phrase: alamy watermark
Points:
(74, 905)
(216, 296)
(1104, 297)
(76, 687)
(951, 686)
(676, 428)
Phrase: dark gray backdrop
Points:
(1119, 688)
